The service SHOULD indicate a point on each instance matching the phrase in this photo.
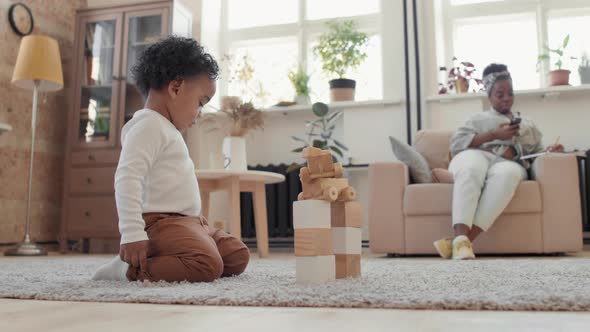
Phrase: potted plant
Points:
(319, 133)
(242, 79)
(300, 81)
(244, 118)
(584, 69)
(558, 76)
(460, 77)
(341, 49)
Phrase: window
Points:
(473, 42)
(246, 13)
(282, 37)
(513, 32)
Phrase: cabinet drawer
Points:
(92, 180)
(89, 158)
(93, 214)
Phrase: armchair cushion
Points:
(436, 199)
(417, 165)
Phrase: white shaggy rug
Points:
(498, 284)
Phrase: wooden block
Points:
(328, 189)
(311, 214)
(348, 266)
(347, 214)
(313, 242)
(347, 240)
(315, 269)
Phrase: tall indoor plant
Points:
(342, 49)
(557, 76)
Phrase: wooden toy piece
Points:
(347, 240)
(311, 214)
(327, 189)
(347, 214)
(313, 242)
(348, 266)
(319, 165)
(315, 269)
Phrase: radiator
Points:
(279, 204)
(584, 175)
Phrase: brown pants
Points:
(187, 248)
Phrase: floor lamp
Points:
(38, 68)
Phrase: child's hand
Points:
(135, 254)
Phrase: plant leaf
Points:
(342, 146)
(337, 150)
(320, 109)
(298, 149)
(566, 41)
(295, 138)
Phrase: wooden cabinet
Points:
(108, 43)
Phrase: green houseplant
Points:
(557, 76)
(584, 69)
(319, 132)
(300, 81)
(342, 49)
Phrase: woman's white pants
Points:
(484, 185)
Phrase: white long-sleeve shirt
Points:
(155, 174)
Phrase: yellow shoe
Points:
(444, 247)
(462, 248)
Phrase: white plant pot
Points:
(302, 100)
(234, 148)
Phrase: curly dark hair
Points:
(169, 59)
(494, 68)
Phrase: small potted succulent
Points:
(341, 49)
(300, 81)
(459, 78)
(584, 69)
(557, 76)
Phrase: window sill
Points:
(336, 105)
(549, 92)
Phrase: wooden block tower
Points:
(327, 222)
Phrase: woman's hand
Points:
(505, 131)
(135, 254)
(509, 154)
(555, 148)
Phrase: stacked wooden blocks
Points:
(346, 221)
(313, 241)
(327, 222)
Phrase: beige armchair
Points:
(543, 217)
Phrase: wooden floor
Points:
(31, 315)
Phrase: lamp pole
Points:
(28, 248)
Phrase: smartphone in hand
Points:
(515, 121)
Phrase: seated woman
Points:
(486, 164)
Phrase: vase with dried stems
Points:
(243, 118)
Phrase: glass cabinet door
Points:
(142, 29)
(97, 97)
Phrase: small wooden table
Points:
(234, 182)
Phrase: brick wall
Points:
(55, 18)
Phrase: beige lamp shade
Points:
(38, 60)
